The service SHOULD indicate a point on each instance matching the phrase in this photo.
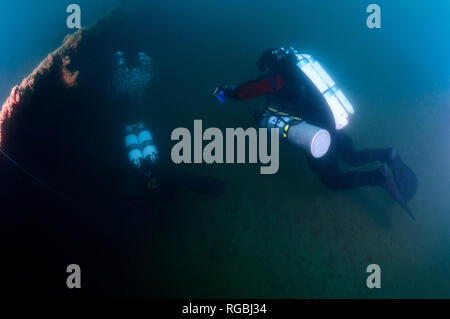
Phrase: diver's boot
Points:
(404, 177)
(391, 186)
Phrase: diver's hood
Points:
(274, 59)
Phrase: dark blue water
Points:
(284, 235)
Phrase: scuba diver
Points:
(142, 152)
(157, 175)
(311, 112)
(150, 174)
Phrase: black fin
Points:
(392, 188)
(404, 177)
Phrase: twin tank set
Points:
(140, 145)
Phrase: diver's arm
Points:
(264, 84)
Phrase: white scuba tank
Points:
(140, 145)
(146, 142)
(312, 139)
(340, 107)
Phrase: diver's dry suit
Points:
(288, 87)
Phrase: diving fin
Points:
(404, 177)
(391, 186)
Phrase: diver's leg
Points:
(329, 173)
(334, 179)
(404, 177)
(327, 169)
(350, 156)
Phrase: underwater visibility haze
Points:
(87, 177)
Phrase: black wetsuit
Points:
(297, 95)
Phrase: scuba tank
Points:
(146, 142)
(312, 139)
(339, 105)
(140, 145)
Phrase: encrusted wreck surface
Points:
(56, 62)
(56, 71)
(59, 125)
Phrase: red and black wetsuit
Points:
(297, 95)
(265, 84)
(293, 92)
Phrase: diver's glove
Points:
(224, 92)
